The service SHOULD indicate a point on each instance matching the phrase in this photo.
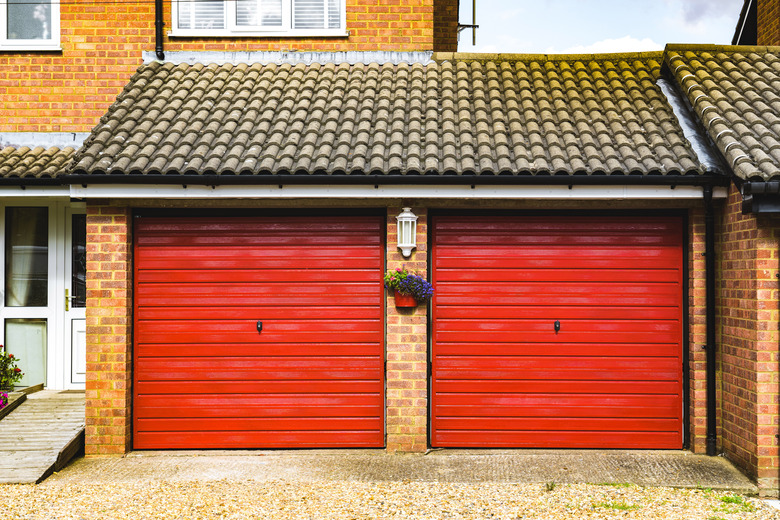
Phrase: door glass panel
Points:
(26, 257)
(78, 277)
(26, 340)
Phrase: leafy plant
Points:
(735, 504)
(618, 506)
(405, 282)
(3, 400)
(550, 486)
(9, 372)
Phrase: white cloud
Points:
(624, 44)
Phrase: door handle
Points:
(557, 326)
(259, 326)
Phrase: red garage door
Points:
(208, 375)
(557, 332)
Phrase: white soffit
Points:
(575, 192)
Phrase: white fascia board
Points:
(34, 191)
(142, 191)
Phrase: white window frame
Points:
(286, 29)
(52, 44)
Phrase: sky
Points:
(596, 26)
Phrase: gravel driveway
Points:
(343, 500)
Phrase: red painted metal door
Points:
(557, 332)
(208, 375)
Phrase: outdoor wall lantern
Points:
(407, 231)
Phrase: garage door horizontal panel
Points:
(264, 423)
(255, 406)
(302, 300)
(195, 366)
(543, 408)
(561, 312)
(277, 224)
(545, 337)
(262, 350)
(245, 238)
(296, 256)
(539, 261)
(264, 312)
(559, 275)
(308, 386)
(264, 275)
(536, 386)
(558, 423)
(571, 326)
(270, 336)
(558, 439)
(233, 328)
(258, 374)
(598, 291)
(257, 439)
(231, 262)
(610, 404)
(631, 227)
(604, 364)
(259, 288)
(557, 349)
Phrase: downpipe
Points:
(709, 267)
(158, 29)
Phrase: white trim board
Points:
(142, 191)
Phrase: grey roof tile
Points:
(34, 163)
(526, 116)
(735, 92)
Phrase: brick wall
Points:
(768, 22)
(109, 334)
(445, 26)
(102, 43)
(697, 333)
(748, 319)
(407, 349)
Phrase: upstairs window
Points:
(29, 25)
(259, 18)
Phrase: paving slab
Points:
(680, 469)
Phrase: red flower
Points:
(10, 356)
(17, 369)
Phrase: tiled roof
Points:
(514, 115)
(36, 163)
(735, 92)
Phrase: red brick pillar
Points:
(697, 333)
(109, 330)
(407, 349)
(748, 319)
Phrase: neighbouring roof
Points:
(34, 163)
(735, 93)
(479, 116)
(746, 32)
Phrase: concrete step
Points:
(40, 436)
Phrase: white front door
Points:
(75, 297)
(43, 250)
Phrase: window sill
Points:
(27, 48)
(249, 34)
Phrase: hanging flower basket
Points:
(410, 289)
(404, 300)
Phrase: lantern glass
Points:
(407, 231)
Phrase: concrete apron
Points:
(643, 468)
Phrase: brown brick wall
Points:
(748, 342)
(407, 349)
(445, 26)
(768, 22)
(102, 43)
(109, 331)
(697, 333)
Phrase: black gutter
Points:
(24, 182)
(760, 197)
(158, 29)
(431, 179)
(709, 263)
